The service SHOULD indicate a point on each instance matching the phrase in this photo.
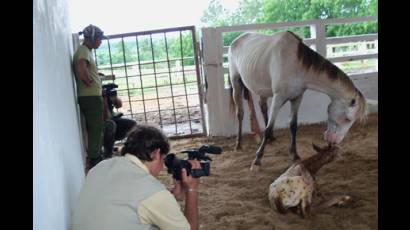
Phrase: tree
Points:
(324, 9)
(216, 14)
(273, 11)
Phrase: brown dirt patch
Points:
(235, 198)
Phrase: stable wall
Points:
(58, 166)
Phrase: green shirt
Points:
(96, 87)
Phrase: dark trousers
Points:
(116, 129)
(92, 109)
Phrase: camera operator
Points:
(115, 127)
(129, 195)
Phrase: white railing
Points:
(219, 120)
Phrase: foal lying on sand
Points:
(295, 188)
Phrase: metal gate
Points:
(158, 78)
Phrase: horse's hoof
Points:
(238, 147)
(255, 167)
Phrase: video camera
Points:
(109, 89)
(175, 165)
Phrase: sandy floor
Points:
(235, 198)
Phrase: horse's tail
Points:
(233, 72)
(231, 102)
(243, 90)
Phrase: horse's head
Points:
(342, 113)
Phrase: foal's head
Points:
(323, 156)
(328, 152)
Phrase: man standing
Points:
(89, 91)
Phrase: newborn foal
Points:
(295, 188)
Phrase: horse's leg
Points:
(277, 103)
(294, 107)
(237, 98)
(264, 108)
(253, 119)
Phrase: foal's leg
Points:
(277, 103)
(294, 107)
(237, 98)
(339, 200)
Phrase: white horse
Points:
(281, 66)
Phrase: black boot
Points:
(109, 138)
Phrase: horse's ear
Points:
(316, 148)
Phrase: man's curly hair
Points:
(143, 140)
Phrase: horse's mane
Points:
(362, 109)
(310, 59)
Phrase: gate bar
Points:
(170, 83)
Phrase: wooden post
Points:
(212, 53)
(317, 31)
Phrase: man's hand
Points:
(117, 102)
(178, 191)
(188, 181)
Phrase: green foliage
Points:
(131, 51)
(273, 11)
(216, 14)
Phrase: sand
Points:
(235, 198)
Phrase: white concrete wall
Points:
(58, 155)
(368, 84)
(312, 110)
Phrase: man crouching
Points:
(123, 192)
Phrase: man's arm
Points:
(191, 208)
(106, 77)
(191, 197)
(81, 67)
(178, 191)
(106, 111)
